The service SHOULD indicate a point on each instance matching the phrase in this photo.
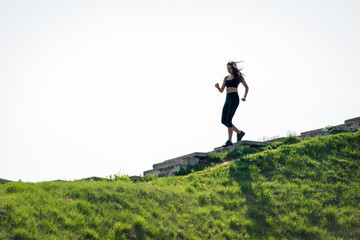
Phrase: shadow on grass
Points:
(259, 204)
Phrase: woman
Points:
(232, 99)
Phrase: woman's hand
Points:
(246, 89)
(217, 85)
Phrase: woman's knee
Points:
(224, 117)
(229, 124)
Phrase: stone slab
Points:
(357, 119)
(245, 143)
(189, 159)
(275, 140)
(251, 143)
(151, 172)
(165, 171)
(171, 172)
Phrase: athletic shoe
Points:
(240, 136)
(228, 143)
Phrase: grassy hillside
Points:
(304, 190)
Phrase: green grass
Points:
(290, 190)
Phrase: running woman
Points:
(232, 99)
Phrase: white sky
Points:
(93, 88)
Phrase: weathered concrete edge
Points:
(242, 143)
(195, 154)
(184, 161)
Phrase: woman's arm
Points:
(246, 89)
(222, 87)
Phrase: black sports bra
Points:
(233, 82)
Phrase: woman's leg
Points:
(230, 132)
(236, 130)
(233, 104)
(224, 113)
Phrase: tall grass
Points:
(290, 190)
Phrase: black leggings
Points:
(230, 106)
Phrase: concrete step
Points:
(236, 145)
(152, 172)
(168, 167)
(166, 171)
(186, 160)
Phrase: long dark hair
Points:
(237, 72)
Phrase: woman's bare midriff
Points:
(231, 89)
